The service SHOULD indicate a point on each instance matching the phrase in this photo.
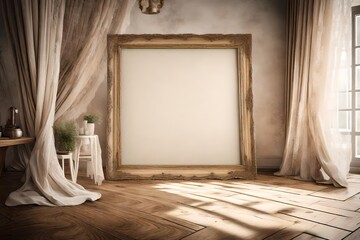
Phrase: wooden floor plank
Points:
(340, 194)
(299, 210)
(53, 226)
(123, 221)
(354, 235)
(315, 229)
(305, 236)
(286, 233)
(212, 234)
(258, 206)
(270, 207)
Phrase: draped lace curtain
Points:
(38, 35)
(318, 60)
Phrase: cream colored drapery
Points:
(83, 53)
(36, 33)
(318, 59)
(82, 61)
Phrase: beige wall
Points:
(264, 19)
(355, 2)
(7, 74)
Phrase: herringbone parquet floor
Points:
(267, 208)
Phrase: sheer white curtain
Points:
(82, 63)
(83, 53)
(318, 59)
(36, 33)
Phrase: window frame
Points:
(355, 163)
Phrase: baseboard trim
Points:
(355, 170)
(268, 163)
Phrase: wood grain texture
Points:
(267, 208)
(6, 142)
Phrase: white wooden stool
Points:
(69, 157)
(93, 158)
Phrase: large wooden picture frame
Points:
(246, 167)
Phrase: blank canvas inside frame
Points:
(179, 107)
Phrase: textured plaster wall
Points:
(7, 74)
(265, 20)
(355, 2)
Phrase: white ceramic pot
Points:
(85, 124)
(90, 128)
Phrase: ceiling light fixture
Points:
(150, 6)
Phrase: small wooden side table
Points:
(7, 142)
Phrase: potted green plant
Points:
(92, 118)
(64, 133)
(89, 123)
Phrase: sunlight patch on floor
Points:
(230, 212)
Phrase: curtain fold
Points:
(83, 54)
(36, 31)
(82, 62)
(318, 55)
(18, 156)
(44, 33)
